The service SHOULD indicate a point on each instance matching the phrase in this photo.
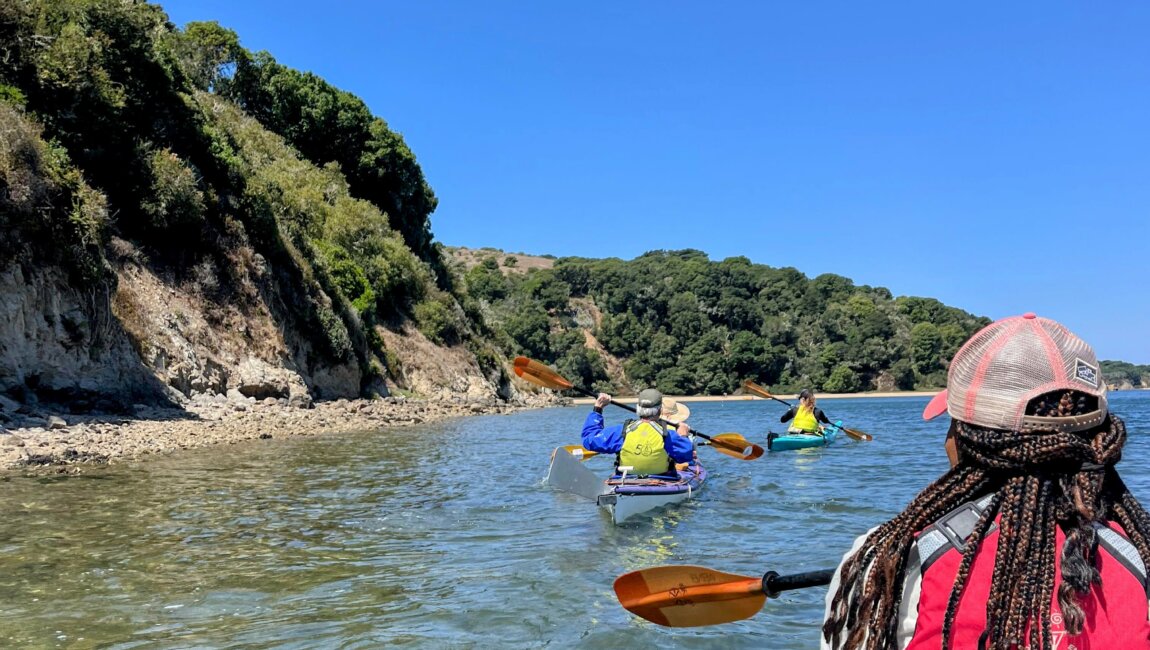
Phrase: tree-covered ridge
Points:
(690, 325)
(1120, 374)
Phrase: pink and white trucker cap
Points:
(1010, 362)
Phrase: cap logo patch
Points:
(1085, 373)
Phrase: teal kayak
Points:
(789, 441)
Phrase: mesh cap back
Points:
(1010, 362)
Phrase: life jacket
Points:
(1116, 611)
(643, 448)
(805, 420)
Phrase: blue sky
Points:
(995, 156)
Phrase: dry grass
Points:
(469, 257)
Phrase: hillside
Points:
(183, 217)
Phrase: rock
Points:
(56, 422)
(259, 379)
(8, 404)
(32, 423)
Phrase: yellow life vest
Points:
(643, 448)
(805, 420)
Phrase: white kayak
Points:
(622, 495)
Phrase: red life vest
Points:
(1116, 612)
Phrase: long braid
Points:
(968, 553)
(1043, 480)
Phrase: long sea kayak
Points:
(789, 441)
(624, 496)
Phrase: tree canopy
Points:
(690, 325)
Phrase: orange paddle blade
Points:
(689, 596)
(540, 375)
(579, 452)
(735, 445)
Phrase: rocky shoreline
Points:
(35, 438)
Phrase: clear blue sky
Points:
(995, 156)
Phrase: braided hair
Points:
(1041, 479)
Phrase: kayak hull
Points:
(636, 496)
(624, 498)
(792, 441)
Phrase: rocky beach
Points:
(40, 439)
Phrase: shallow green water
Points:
(443, 536)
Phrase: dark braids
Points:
(1042, 480)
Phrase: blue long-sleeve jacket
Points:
(610, 440)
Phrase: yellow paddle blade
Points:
(735, 445)
(539, 374)
(689, 596)
(579, 452)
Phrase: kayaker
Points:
(807, 416)
(1031, 539)
(644, 444)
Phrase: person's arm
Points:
(679, 447)
(788, 415)
(820, 416)
(595, 437)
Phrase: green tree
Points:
(842, 380)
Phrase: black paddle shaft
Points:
(580, 389)
(774, 584)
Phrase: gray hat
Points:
(650, 397)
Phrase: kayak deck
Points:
(790, 441)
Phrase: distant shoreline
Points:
(818, 396)
(747, 398)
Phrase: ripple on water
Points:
(378, 539)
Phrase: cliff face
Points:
(152, 340)
(64, 343)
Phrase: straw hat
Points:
(674, 411)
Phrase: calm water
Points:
(443, 536)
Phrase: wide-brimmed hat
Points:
(1005, 365)
(674, 411)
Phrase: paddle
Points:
(762, 392)
(690, 596)
(731, 444)
(579, 452)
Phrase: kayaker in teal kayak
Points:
(645, 444)
(807, 416)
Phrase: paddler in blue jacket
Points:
(644, 444)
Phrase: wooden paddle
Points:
(731, 444)
(690, 596)
(762, 392)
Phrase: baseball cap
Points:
(669, 408)
(649, 397)
(996, 373)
